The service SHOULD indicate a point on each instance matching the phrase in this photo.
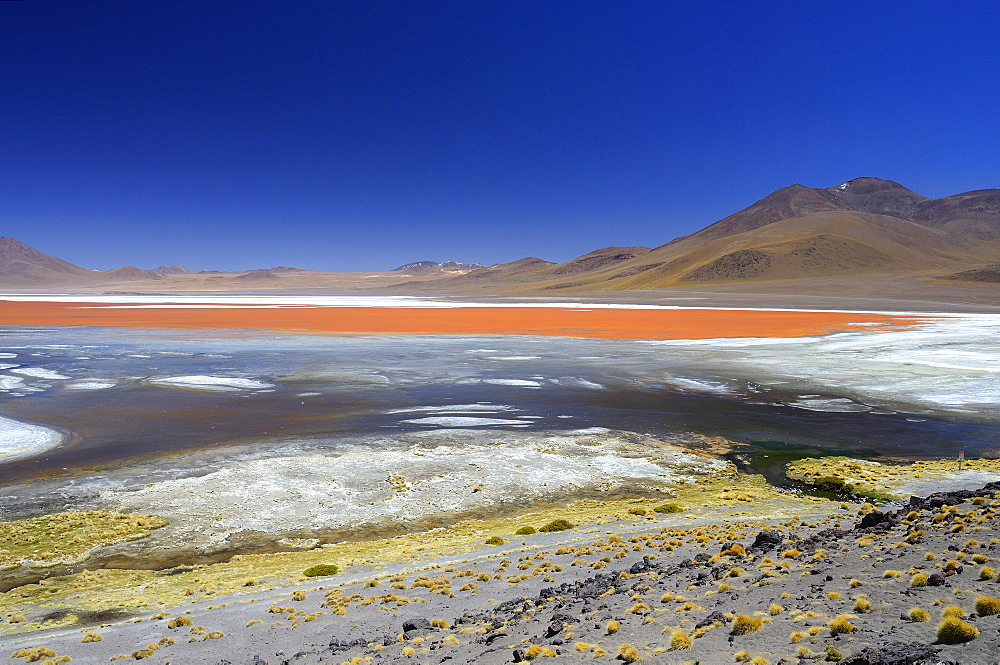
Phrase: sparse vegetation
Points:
(680, 640)
(66, 538)
(744, 624)
(321, 570)
(180, 621)
(628, 653)
(557, 525)
(953, 630)
(841, 625)
(987, 606)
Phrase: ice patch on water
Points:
(454, 408)
(512, 357)
(92, 384)
(307, 394)
(8, 355)
(11, 383)
(699, 385)
(950, 363)
(8, 365)
(20, 439)
(39, 373)
(835, 405)
(524, 383)
(464, 421)
(577, 382)
(205, 382)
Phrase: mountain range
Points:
(866, 226)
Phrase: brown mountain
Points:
(175, 269)
(23, 266)
(129, 274)
(989, 273)
(866, 226)
(599, 258)
(528, 271)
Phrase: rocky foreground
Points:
(838, 582)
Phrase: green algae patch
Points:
(876, 480)
(68, 538)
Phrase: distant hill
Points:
(171, 270)
(432, 266)
(22, 266)
(129, 274)
(531, 269)
(989, 273)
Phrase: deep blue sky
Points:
(361, 135)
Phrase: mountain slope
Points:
(531, 270)
(864, 226)
(24, 266)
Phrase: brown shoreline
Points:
(661, 324)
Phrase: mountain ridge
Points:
(865, 226)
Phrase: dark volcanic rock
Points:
(874, 518)
(642, 567)
(343, 645)
(712, 618)
(892, 653)
(419, 623)
(767, 540)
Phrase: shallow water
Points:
(126, 396)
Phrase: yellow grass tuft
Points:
(953, 630)
(744, 625)
(954, 611)
(841, 625)
(862, 606)
(680, 640)
(987, 605)
(628, 653)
